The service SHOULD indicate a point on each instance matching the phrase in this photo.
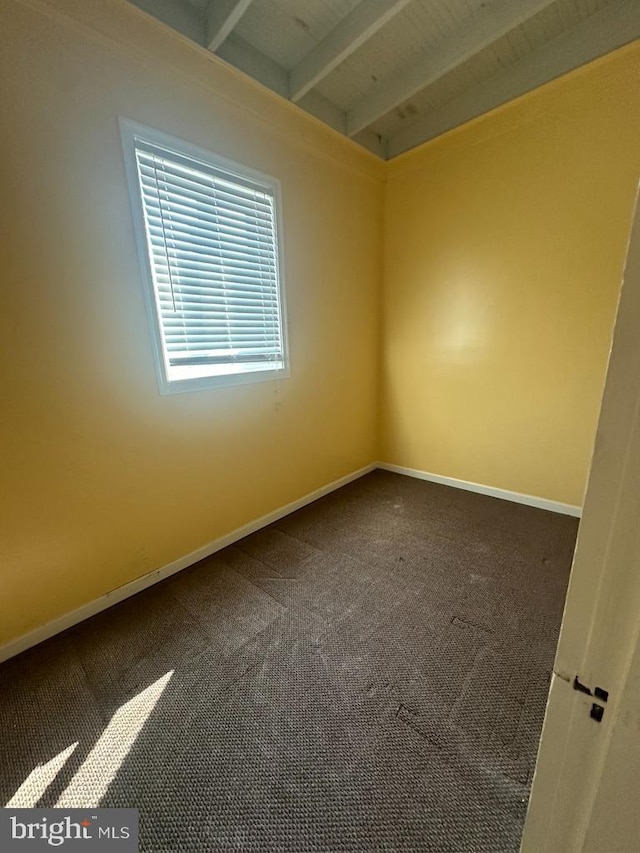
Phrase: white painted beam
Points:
(325, 110)
(465, 42)
(245, 57)
(178, 14)
(222, 16)
(248, 59)
(354, 30)
(608, 29)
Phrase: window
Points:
(208, 241)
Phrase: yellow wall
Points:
(505, 243)
(103, 479)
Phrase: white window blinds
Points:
(213, 255)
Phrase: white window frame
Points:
(131, 132)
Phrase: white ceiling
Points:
(394, 73)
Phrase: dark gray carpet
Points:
(368, 674)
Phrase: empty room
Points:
(320, 345)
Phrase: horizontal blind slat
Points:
(223, 332)
(228, 310)
(204, 192)
(217, 297)
(218, 274)
(181, 165)
(211, 209)
(166, 216)
(210, 321)
(214, 342)
(199, 259)
(221, 347)
(201, 246)
(188, 314)
(245, 358)
(182, 228)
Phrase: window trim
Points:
(130, 131)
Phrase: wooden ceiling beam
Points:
(608, 29)
(476, 34)
(222, 17)
(352, 32)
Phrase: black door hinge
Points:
(597, 711)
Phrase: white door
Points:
(586, 790)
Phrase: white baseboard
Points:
(503, 494)
(56, 626)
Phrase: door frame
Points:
(600, 630)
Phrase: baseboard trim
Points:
(56, 626)
(503, 494)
